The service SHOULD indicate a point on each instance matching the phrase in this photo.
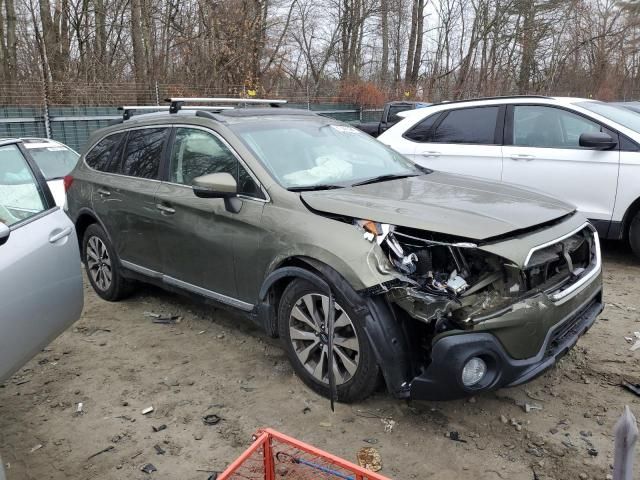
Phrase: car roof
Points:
(501, 100)
(8, 141)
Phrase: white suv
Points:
(582, 151)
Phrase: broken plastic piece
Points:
(632, 387)
(529, 407)
(456, 283)
(149, 468)
(211, 419)
(147, 410)
(159, 428)
(159, 450)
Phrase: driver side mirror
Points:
(4, 233)
(215, 185)
(597, 140)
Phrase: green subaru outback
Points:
(367, 266)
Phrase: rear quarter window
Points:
(105, 154)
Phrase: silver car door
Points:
(40, 276)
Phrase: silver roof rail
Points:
(179, 102)
(129, 109)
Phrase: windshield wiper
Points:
(310, 188)
(383, 178)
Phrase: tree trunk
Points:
(11, 57)
(412, 40)
(384, 20)
(417, 56)
(528, 48)
(138, 50)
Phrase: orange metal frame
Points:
(263, 438)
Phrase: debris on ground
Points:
(388, 424)
(149, 468)
(372, 441)
(632, 387)
(163, 318)
(147, 410)
(104, 450)
(79, 409)
(636, 345)
(369, 458)
(159, 450)
(455, 436)
(37, 447)
(211, 419)
(529, 407)
(159, 428)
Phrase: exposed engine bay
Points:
(455, 285)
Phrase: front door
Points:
(544, 153)
(40, 275)
(200, 237)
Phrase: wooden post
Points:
(626, 433)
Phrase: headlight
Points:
(473, 372)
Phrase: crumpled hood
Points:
(445, 203)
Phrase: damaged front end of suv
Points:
(479, 315)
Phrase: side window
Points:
(468, 125)
(392, 116)
(105, 155)
(20, 194)
(143, 152)
(196, 153)
(422, 131)
(548, 127)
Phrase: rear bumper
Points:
(441, 380)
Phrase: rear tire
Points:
(102, 265)
(634, 234)
(358, 373)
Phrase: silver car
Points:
(40, 275)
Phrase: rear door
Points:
(202, 241)
(124, 197)
(40, 276)
(467, 141)
(543, 153)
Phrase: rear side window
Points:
(143, 152)
(105, 154)
(422, 131)
(468, 125)
(394, 110)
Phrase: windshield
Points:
(615, 113)
(306, 153)
(55, 161)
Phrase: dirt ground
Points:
(117, 362)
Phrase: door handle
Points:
(521, 156)
(430, 154)
(165, 209)
(54, 237)
(103, 192)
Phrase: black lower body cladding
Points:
(442, 379)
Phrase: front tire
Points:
(102, 265)
(634, 234)
(302, 318)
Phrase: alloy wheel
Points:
(99, 263)
(308, 334)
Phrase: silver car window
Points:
(20, 195)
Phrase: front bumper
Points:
(441, 380)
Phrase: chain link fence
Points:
(69, 112)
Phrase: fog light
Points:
(474, 371)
